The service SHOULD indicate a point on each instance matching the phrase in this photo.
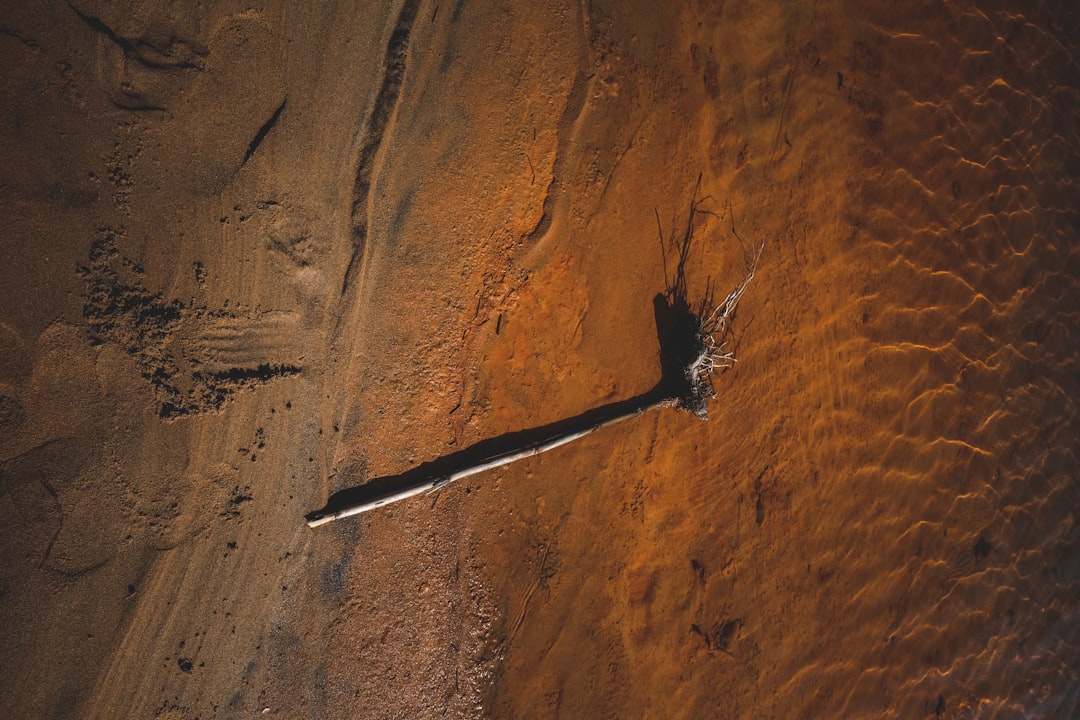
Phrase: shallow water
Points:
(879, 519)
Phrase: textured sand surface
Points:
(256, 253)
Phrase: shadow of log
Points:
(689, 354)
(484, 455)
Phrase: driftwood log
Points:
(479, 458)
(693, 348)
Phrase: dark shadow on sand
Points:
(678, 334)
(484, 451)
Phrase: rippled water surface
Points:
(880, 518)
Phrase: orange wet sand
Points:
(355, 239)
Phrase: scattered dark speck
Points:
(727, 633)
(699, 570)
(184, 664)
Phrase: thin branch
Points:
(400, 487)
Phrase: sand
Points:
(257, 253)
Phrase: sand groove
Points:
(379, 118)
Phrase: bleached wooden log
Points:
(434, 482)
(693, 346)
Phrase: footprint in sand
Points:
(194, 358)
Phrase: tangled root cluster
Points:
(694, 345)
(710, 353)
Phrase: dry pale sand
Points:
(258, 252)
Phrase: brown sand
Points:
(255, 254)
